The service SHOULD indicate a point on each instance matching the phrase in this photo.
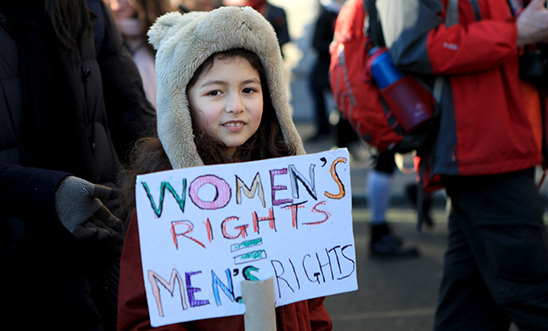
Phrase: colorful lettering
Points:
(294, 207)
(227, 290)
(154, 279)
(269, 218)
(189, 229)
(209, 229)
(222, 196)
(163, 186)
(309, 185)
(241, 228)
(247, 273)
(256, 186)
(316, 210)
(335, 176)
(190, 290)
(275, 188)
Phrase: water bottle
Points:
(410, 102)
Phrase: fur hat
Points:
(183, 42)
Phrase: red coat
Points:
(133, 310)
(490, 119)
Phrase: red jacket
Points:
(133, 310)
(490, 119)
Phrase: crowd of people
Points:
(87, 104)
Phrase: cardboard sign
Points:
(203, 230)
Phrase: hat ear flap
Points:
(165, 27)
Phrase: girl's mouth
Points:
(234, 126)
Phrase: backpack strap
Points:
(516, 6)
(374, 28)
(475, 6)
(452, 13)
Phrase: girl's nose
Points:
(235, 105)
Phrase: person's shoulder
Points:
(327, 15)
(276, 10)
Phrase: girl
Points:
(221, 99)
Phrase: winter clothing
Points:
(495, 268)
(53, 115)
(64, 281)
(39, 94)
(319, 76)
(184, 42)
(493, 134)
(276, 17)
(176, 62)
(496, 264)
(321, 39)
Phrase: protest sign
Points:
(203, 230)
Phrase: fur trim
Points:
(184, 42)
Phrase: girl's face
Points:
(227, 101)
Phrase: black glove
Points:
(79, 207)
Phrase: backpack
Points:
(356, 94)
(359, 99)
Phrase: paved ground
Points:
(392, 295)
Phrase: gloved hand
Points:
(81, 211)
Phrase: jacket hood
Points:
(183, 42)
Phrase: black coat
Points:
(324, 29)
(54, 103)
(278, 18)
(62, 111)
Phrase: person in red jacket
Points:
(489, 143)
(221, 99)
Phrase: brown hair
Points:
(268, 142)
(147, 13)
(69, 20)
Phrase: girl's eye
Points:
(249, 90)
(214, 93)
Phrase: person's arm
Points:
(29, 193)
(420, 41)
(36, 195)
